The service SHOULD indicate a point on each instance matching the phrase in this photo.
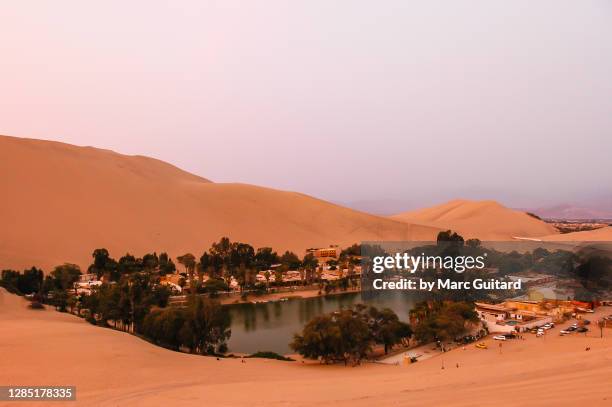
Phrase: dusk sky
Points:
(413, 102)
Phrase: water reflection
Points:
(271, 326)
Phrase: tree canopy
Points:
(349, 334)
(436, 320)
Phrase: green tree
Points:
(214, 286)
(166, 265)
(10, 281)
(221, 252)
(265, 258)
(30, 281)
(66, 275)
(320, 338)
(386, 327)
(207, 325)
(309, 264)
(163, 326)
(291, 260)
(103, 265)
(188, 261)
(341, 336)
(59, 298)
(206, 265)
(349, 334)
(351, 251)
(445, 320)
(129, 264)
(449, 236)
(150, 262)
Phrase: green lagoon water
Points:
(271, 326)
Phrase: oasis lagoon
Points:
(270, 326)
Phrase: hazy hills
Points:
(568, 211)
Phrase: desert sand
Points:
(112, 368)
(597, 235)
(60, 202)
(485, 220)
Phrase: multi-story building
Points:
(325, 252)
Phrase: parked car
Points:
(466, 339)
(582, 329)
(540, 333)
(499, 337)
(564, 332)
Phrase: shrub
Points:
(270, 355)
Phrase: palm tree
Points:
(188, 260)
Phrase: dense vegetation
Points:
(28, 282)
(349, 334)
(441, 321)
(126, 303)
(52, 289)
(590, 267)
(132, 297)
(202, 327)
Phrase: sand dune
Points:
(114, 368)
(597, 235)
(485, 220)
(61, 201)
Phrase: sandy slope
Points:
(59, 202)
(485, 220)
(112, 368)
(597, 235)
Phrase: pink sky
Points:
(344, 100)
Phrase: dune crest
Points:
(485, 220)
(60, 202)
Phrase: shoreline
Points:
(235, 298)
